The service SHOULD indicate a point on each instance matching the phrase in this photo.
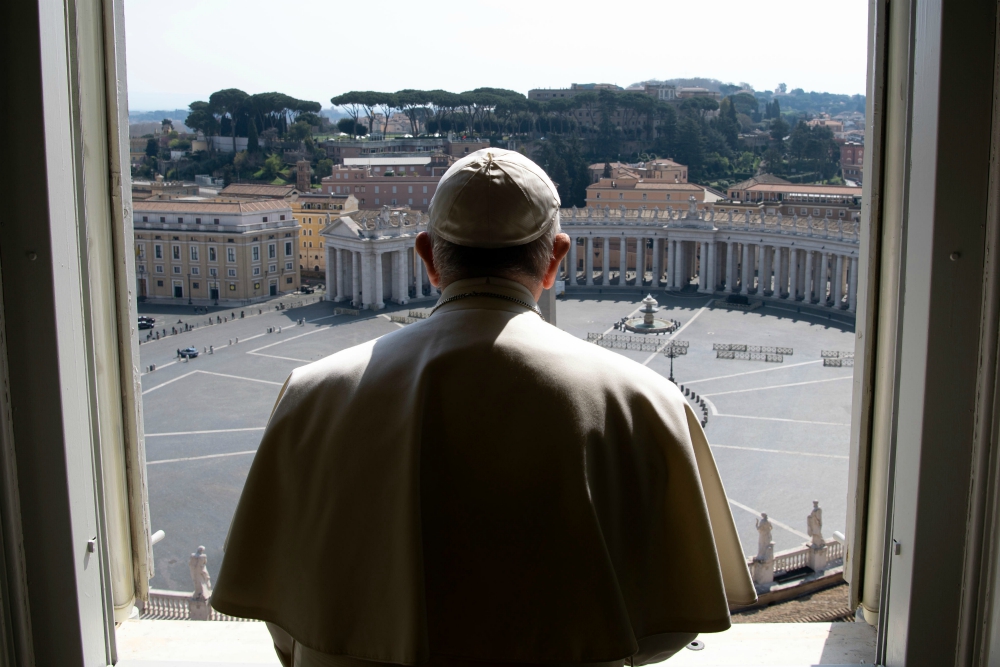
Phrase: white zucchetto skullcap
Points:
(493, 198)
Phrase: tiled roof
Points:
(192, 207)
(758, 180)
(245, 190)
(796, 188)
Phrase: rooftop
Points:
(385, 161)
(250, 190)
(229, 208)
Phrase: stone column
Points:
(657, 251)
(776, 266)
(588, 263)
(355, 279)
(782, 271)
(571, 278)
(418, 274)
(852, 286)
(379, 304)
(807, 288)
(732, 252)
(394, 292)
(713, 266)
(640, 261)
(838, 285)
(367, 280)
(671, 263)
(606, 262)
(824, 274)
(331, 275)
(745, 274)
(793, 271)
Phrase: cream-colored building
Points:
(215, 251)
(639, 193)
(314, 212)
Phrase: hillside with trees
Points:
(721, 141)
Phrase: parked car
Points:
(189, 352)
(146, 322)
(306, 289)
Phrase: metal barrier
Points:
(346, 311)
(838, 363)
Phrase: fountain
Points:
(648, 323)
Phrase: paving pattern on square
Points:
(779, 431)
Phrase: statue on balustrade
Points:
(765, 545)
(198, 564)
(814, 525)
(461, 492)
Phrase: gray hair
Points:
(530, 260)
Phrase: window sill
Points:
(226, 644)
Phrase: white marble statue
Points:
(199, 574)
(814, 525)
(764, 551)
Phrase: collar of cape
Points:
(477, 292)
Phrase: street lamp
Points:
(672, 350)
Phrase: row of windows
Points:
(393, 202)
(621, 195)
(197, 221)
(272, 252)
(213, 272)
(178, 285)
(409, 189)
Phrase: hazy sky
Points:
(314, 49)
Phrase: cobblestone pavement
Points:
(826, 605)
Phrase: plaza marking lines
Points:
(770, 518)
(224, 375)
(164, 384)
(762, 370)
(678, 332)
(779, 419)
(218, 430)
(780, 386)
(257, 352)
(398, 324)
(780, 451)
(219, 456)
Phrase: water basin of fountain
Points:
(648, 323)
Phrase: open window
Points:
(921, 513)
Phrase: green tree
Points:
(324, 167)
(299, 131)
(229, 104)
(690, 145)
(272, 168)
(152, 148)
(253, 144)
(202, 119)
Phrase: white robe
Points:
(482, 486)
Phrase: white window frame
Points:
(930, 436)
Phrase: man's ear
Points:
(560, 246)
(426, 251)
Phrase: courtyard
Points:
(779, 431)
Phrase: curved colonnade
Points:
(813, 260)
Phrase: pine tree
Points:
(252, 144)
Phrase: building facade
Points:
(805, 259)
(389, 180)
(638, 193)
(219, 251)
(371, 259)
(338, 150)
(313, 212)
(852, 161)
(780, 196)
